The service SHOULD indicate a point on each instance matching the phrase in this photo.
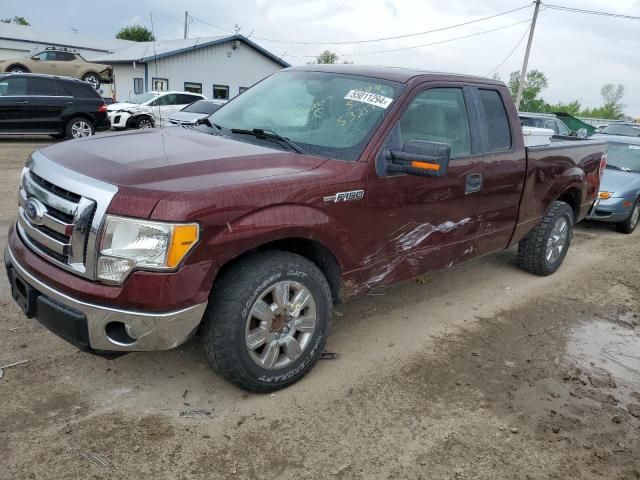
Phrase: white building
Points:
(217, 67)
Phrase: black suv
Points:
(45, 104)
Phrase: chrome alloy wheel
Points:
(557, 240)
(144, 123)
(280, 325)
(635, 215)
(80, 129)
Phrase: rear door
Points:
(505, 166)
(425, 223)
(48, 101)
(14, 105)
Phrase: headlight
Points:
(605, 195)
(128, 243)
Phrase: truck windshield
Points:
(624, 156)
(327, 114)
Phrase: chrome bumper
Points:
(149, 331)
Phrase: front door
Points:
(425, 223)
(15, 115)
(48, 100)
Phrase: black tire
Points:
(232, 298)
(533, 249)
(79, 122)
(17, 69)
(630, 224)
(143, 122)
(93, 79)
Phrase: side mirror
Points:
(35, 58)
(419, 157)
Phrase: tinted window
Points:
(65, 56)
(186, 99)
(202, 106)
(79, 90)
(44, 86)
(438, 115)
(13, 86)
(499, 134)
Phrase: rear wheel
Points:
(93, 79)
(17, 69)
(630, 224)
(544, 248)
(267, 321)
(79, 128)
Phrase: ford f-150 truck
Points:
(318, 184)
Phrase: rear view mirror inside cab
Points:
(419, 157)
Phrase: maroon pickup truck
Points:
(318, 184)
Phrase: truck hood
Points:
(619, 182)
(174, 160)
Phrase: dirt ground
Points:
(479, 372)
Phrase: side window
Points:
(169, 99)
(43, 56)
(221, 92)
(13, 87)
(499, 132)
(65, 56)
(44, 87)
(551, 125)
(184, 99)
(438, 115)
(562, 128)
(78, 89)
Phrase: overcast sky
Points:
(578, 53)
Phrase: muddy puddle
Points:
(609, 353)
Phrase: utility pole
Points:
(523, 73)
(186, 24)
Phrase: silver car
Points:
(190, 114)
(619, 198)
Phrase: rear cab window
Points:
(496, 120)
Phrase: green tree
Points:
(136, 33)
(17, 20)
(572, 108)
(326, 57)
(534, 83)
(612, 94)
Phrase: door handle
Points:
(23, 102)
(473, 183)
(69, 103)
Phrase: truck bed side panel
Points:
(559, 170)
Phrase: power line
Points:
(510, 53)
(372, 40)
(589, 12)
(396, 37)
(419, 46)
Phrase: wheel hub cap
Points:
(557, 240)
(280, 325)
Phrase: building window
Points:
(221, 92)
(242, 89)
(192, 87)
(160, 84)
(138, 86)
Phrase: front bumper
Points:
(613, 210)
(118, 119)
(100, 328)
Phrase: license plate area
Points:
(25, 295)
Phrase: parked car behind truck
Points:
(319, 184)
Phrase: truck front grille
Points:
(60, 212)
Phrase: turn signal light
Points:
(605, 195)
(184, 237)
(425, 165)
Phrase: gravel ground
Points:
(479, 372)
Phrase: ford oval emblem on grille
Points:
(33, 211)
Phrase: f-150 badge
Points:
(351, 196)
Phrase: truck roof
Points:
(394, 74)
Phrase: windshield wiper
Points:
(270, 135)
(624, 169)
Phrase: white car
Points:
(150, 109)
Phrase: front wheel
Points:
(143, 122)
(93, 79)
(79, 128)
(630, 224)
(267, 321)
(544, 248)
